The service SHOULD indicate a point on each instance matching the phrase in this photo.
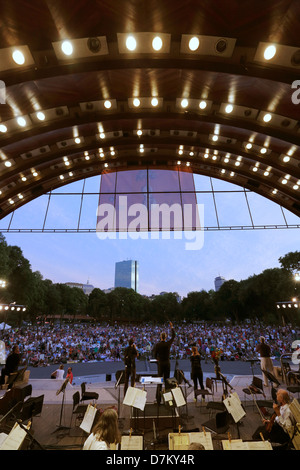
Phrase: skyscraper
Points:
(127, 274)
(218, 282)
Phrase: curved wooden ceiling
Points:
(227, 68)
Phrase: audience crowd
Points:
(45, 344)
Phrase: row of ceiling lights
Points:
(154, 102)
(147, 42)
(206, 155)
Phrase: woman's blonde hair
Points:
(107, 428)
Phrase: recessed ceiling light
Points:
(102, 135)
(131, 43)
(263, 150)
(107, 104)
(7, 164)
(139, 132)
(248, 146)
(215, 138)
(184, 103)
(24, 178)
(3, 128)
(202, 104)
(267, 117)
(286, 158)
(194, 43)
(40, 116)
(229, 108)
(154, 102)
(18, 57)
(77, 140)
(157, 43)
(21, 121)
(67, 48)
(136, 102)
(270, 52)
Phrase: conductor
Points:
(161, 353)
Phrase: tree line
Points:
(253, 298)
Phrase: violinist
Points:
(276, 428)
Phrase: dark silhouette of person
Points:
(130, 354)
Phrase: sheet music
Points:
(3, 436)
(259, 445)
(136, 398)
(178, 396)
(88, 420)
(234, 407)
(178, 441)
(15, 439)
(234, 444)
(203, 438)
(132, 443)
(238, 444)
(295, 409)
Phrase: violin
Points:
(270, 422)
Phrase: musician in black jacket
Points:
(130, 354)
(12, 363)
(196, 372)
(162, 355)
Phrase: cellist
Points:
(276, 428)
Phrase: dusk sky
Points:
(164, 264)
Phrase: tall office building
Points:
(218, 282)
(127, 274)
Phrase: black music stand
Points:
(62, 390)
(32, 439)
(252, 362)
(120, 378)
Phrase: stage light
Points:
(67, 48)
(184, 103)
(229, 109)
(267, 117)
(157, 43)
(21, 121)
(131, 43)
(107, 104)
(18, 57)
(40, 116)
(194, 43)
(270, 52)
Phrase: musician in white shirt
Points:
(276, 429)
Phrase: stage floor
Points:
(55, 428)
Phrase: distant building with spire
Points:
(218, 282)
